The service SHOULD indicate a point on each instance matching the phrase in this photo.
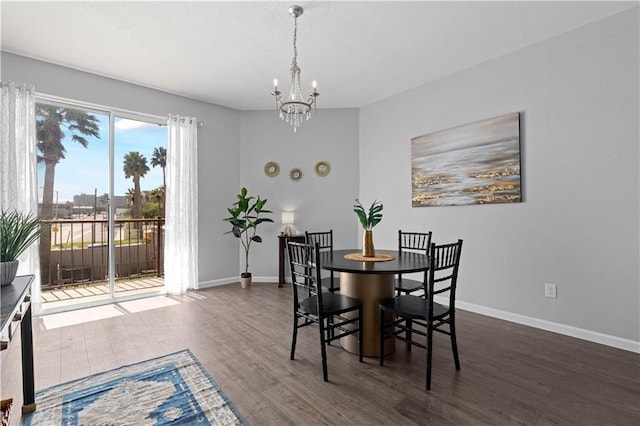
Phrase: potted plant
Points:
(368, 221)
(17, 232)
(245, 218)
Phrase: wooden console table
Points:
(16, 309)
(282, 248)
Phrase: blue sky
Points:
(83, 170)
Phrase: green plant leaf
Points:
(371, 219)
(17, 232)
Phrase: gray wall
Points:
(578, 224)
(218, 143)
(320, 203)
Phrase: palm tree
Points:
(50, 122)
(157, 194)
(130, 196)
(153, 203)
(135, 166)
(159, 158)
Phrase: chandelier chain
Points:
(295, 41)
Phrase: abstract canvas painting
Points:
(477, 163)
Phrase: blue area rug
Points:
(172, 389)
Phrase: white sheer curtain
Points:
(181, 228)
(18, 173)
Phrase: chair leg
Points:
(294, 337)
(408, 334)
(381, 336)
(429, 352)
(325, 374)
(454, 342)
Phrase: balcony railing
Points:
(80, 249)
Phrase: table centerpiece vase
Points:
(367, 244)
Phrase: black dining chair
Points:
(325, 241)
(418, 242)
(422, 316)
(335, 314)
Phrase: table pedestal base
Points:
(371, 289)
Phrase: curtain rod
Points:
(182, 119)
(157, 119)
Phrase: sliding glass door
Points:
(101, 200)
(140, 157)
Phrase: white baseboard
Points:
(224, 281)
(567, 330)
(215, 283)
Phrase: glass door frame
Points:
(112, 114)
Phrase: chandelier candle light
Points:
(295, 110)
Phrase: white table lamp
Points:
(287, 221)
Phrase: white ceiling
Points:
(229, 52)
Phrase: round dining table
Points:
(371, 282)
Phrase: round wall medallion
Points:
(295, 174)
(323, 168)
(271, 169)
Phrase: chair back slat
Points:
(323, 239)
(443, 270)
(325, 243)
(414, 241)
(305, 273)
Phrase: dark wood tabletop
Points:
(408, 262)
(12, 296)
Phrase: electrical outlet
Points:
(550, 290)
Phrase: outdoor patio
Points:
(99, 290)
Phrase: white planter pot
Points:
(8, 271)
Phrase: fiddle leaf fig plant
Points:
(370, 219)
(245, 216)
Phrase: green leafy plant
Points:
(371, 219)
(245, 218)
(17, 232)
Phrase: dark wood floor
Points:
(511, 374)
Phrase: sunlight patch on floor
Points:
(148, 303)
(189, 296)
(80, 316)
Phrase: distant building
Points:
(87, 200)
(84, 200)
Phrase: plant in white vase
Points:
(17, 232)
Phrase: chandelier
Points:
(295, 110)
